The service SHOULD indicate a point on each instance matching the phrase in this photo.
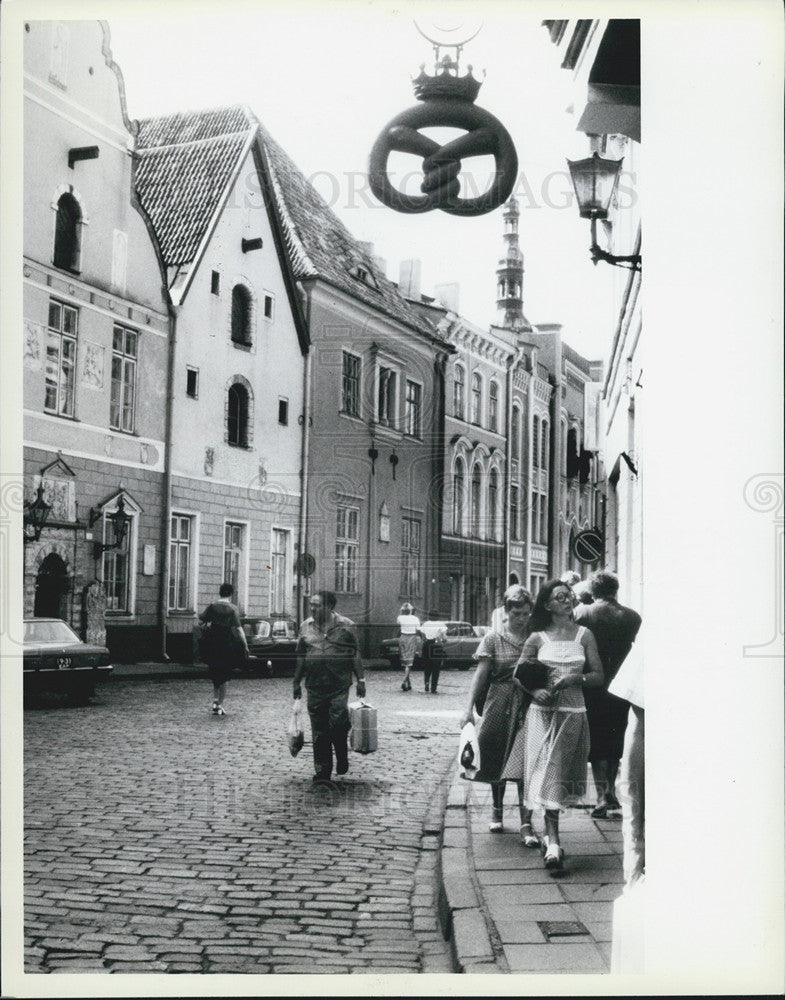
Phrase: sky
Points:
(326, 79)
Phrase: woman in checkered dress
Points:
(500, 701)
(551, 752)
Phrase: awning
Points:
(612, 109)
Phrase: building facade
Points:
(237, 388)
(603, 58)
(97, 336)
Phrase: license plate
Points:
(63, 662)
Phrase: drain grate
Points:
(562, 928)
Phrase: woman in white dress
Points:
(408, 642)
(551, 751)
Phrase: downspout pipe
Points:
(166, 505)
(302, 534)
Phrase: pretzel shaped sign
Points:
(442, 164)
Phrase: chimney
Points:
(368, 248)
(448, 296)
(409, 283)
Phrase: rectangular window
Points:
(413, 407)
(283, 411)
(180, 563)
(347, 547)
(268, 307)
(192, 382)
(121, 408)
(116, 568)
(410, 557)
(234, 543)
(61, 359)
(280, 560)
(388, 388)
(350, 398)
(215, 283)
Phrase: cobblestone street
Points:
(159, 838)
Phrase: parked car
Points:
(454, 643)
(56, 659)
(271, 645)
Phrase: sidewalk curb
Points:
(460, 910)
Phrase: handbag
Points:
(294, 733)
(468, 752)
(531, 674)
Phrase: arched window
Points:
(476, 398)
(544, 445)
(536, 443)
(515, 532)
(493, 406)
(475, 501)
(458, 390)
(515, 434)
(564, 447)
(493, 494)
(241, 315)
(572, 453)
(67, 233)
(458, 487)
(237, 415)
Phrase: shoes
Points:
(611, 802)
(553, 857)
(599, 812)
(528, 837)
(496, 825)
(427, 688)
(434, 691)
(219, 710)
(406, 686)
(341, 760)
(322, 778)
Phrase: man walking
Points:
(615, 628)
(327, 656)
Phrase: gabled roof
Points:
(187, 159)
(184, 164)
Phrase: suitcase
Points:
(364, 737)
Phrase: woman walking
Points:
(503, 706)
(551, 751)
(223, 643)
(408, 642)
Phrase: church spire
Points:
(509, 273)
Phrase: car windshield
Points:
(46, 631)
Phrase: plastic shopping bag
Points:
(468, 752)
(295, 733)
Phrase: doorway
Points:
(51, 588)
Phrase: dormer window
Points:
(363, 273)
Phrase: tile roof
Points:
(184, 162)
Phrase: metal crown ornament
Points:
(447, 100)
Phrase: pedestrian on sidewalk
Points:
(223, 644)
(572, 579)
(327, 657)
(502, 705)
(614, 628)
(408, 642)
(551, 751)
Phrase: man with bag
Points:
(327, 657)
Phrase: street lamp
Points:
(35, 515)
(121, 521)
(594, 180)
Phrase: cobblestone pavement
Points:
(160, 838)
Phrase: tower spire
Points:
(509, 273)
